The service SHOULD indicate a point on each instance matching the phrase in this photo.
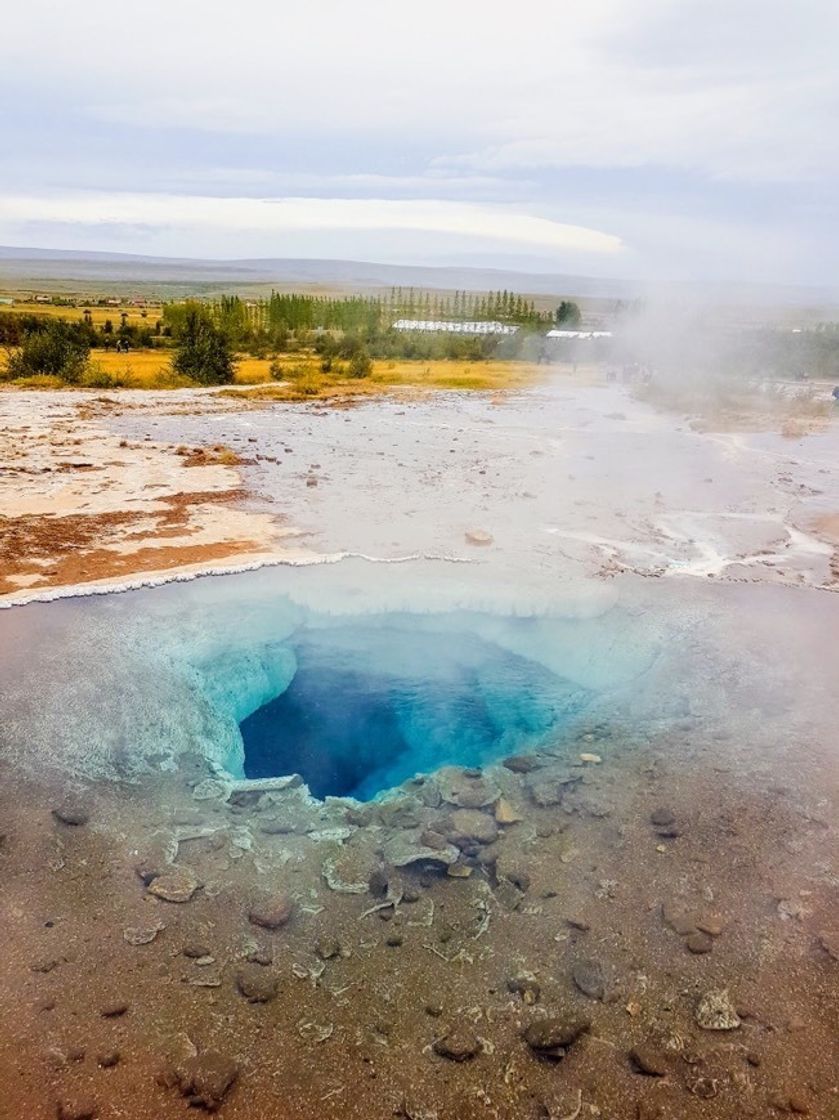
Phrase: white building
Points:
(578, 334)
(443, 326)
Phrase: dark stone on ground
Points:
(662, 818)
(378, 882)
(71, 813)
(206, 1079)
(114, 1009)
(554, 1036)
(271, 912)
(261, 956)
(649, 1060)
(589, 977)
(255, 984)
(107, 1059)
(522, 763)
(526, 987)
(327, 948)
(699, 943)
(195, 952)
(458, 1045)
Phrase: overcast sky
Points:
(645, 138)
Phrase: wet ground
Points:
(636, 918)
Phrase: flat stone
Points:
(405, 848)
(522, 763)
(662, 818)
(549, 787)
(142, 935)
(505, 813)
(710, 922)
(554, 1036)
(71, 813)
(472, 824)
(716, 1011)
(649, 1060)
(458, 1045)
(256, 984)
(271, 912)
(678, 918)
(589, 977)
(178, 884)
(458, 788)
(478, 536)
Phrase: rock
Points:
(212, 789)
(271, 911)
(576, 921)
(71, 813)
(457, 787)
(349, 870)
(699, 943)
(195, 951)
(554, 1036)
(549, 787)
(593, 759)
(76, 1108)
(678, 919)
(107, 1059)
(508, 896)
(377, 884)
(478, 536)
(472, 824)
(114, 1009)
(662, 818)
(256, 984)
(522, 763)
(505, 813)
(459, 1044)
(177, 884)
(790, 1102)
(260, 956)
(406, 848)
(716, 1011)
(394, 940)
(400, 812)
(206, 1079)
(327, 948)
(142, 935)
(589, 977)
(525, 985)
(710, 922)
(649, 1060)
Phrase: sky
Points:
(654, 139)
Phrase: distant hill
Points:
(55, 270)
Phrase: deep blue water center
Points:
(369, 708)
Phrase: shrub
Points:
(58, 349)
(203, 352)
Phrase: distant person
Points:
(835, 394)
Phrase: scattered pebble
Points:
(77, 1108)
(114, 1009)
(699, 943)
(205, 1079)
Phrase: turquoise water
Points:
(369, 707)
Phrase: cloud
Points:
(272, 216)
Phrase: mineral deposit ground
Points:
(619, 900)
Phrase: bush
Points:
(203, 352)
(58, 349)
(360, 364)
